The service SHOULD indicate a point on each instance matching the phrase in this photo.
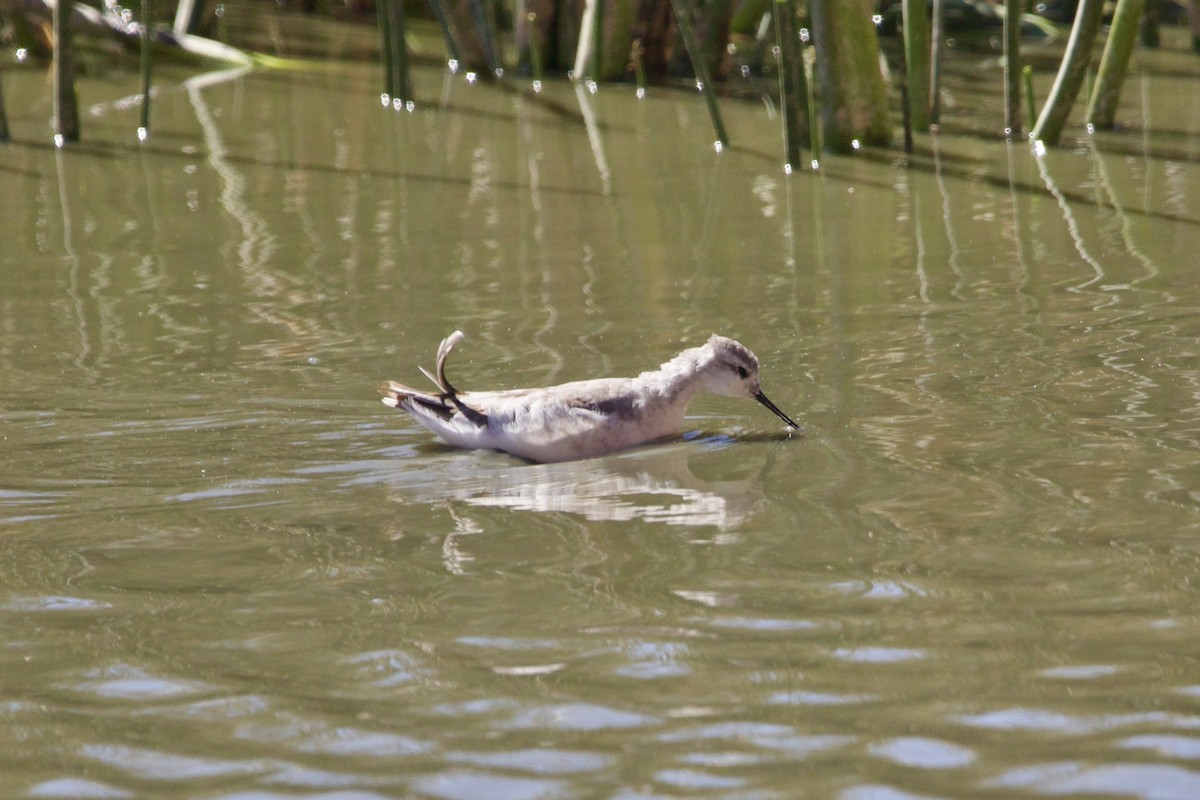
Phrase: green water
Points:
(227, 571)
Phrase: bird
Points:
(580, 419)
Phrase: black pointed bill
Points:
(762, 398)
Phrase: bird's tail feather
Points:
(444, 349)
(395, 394)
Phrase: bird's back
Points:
(574, 420)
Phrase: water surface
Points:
(228, 571)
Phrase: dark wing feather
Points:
(396, 394)
(444, 404)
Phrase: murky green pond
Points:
(226, 570)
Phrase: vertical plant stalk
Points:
(488, 31)
(1012, 71)
(470, 37)
(398, 41)
(1151, 35)
(935, 62)
(587, 38)
(916, 57)
(717, 18)
(66, 107)
(1030, 102)
(791, 73)
(683, 16)
(147, 40)
(383, 18)
(439, 13)
(1193, 16)
(906, 103)
(1071, 73)
(534, 32)
(535, 50)
(1102, 106)
(4, 134)
(850, 89)
(597, 42)
(602, 41)
(636, 57)
(619, 17)
(810, 91)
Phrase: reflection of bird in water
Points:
(657, 485)
(583, 418)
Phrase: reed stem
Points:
(791, 71)
(1071, 73)
(453, 54)
(394, 52)
(597, 41)
(683, 15)
(906, 102)
(382, 17)
(4, 135)
(535, 49)
(398, 28)
(1122, 36)
(639, 67)
(937, 36)
(1012, 75)
(814, 130)
(1030, 105)
(147, 42)
(66, 106)
(914, 61)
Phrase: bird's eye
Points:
(742, 373)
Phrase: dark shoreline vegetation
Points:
(845, 74)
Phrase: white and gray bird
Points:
(586, 418)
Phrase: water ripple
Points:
(149, 764)
(876, 792)
(462, 785)
(915, 751)
(1146, 781)
(54, 603)
(77, 789)
(694, 780)
(1035, 719)
(1184, 747)
(877, 655)
(542, 760)
(578, 717)
(800, 698)
(769, 736)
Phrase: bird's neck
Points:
(677, 380)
